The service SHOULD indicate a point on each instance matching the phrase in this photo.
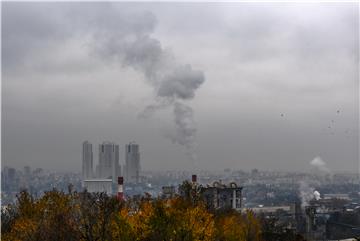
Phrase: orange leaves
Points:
(200, 222)
(139, 219)
(172, 219)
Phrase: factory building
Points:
(99, 185)
(219, 195)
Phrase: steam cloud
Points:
(306, 193)
(132, 46)
(317, 195)
(319, 164)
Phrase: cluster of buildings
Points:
(105, 176)
(36, 181)
(334, 215)
(217, 195)
(321, 219)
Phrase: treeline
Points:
(88, 216)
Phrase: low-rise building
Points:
(168, 192)
(99, 185)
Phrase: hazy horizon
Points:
(196, 85)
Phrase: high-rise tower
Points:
(87, 160)
(132, 163)
(108, 161)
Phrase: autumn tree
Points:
(97, 216)
(192, 222)
(272, 230)
(49, 218)
(173, 219)
(8, 216)
(232, 225)
(58, 220)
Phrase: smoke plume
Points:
(131, 45)
(306, 193)
(185, 128)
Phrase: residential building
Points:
(132, 163)
(87, 160)
(108, 161)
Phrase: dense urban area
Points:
(285, 205)
(180, 121)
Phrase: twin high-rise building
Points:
(87, 161)
(108, 161)
(109, 167)
(132, 163)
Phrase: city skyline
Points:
(247, 85)
(109, 163)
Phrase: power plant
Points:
(108, 175)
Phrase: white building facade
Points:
(99, 185)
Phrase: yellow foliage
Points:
(234, 226)
(138, 220)
(192, 222)
(73, 217)
(201, 223)
(22, 229)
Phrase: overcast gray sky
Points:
(230, 85)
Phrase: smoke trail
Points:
(185, 129)
(131, 45)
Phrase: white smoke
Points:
(319, 164)
(306, 193)
(317, 195)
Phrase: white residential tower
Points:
(108, 161)
(87, 160)
(132, 163)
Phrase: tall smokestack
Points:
(194, 178)
(120, 194)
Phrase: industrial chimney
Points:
(194, 178)
(120, 194)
